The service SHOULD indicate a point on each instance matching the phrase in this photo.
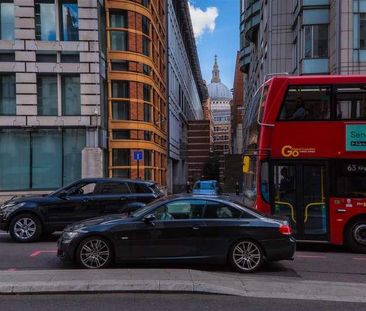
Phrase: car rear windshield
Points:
(204, 186)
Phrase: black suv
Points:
(27, 218)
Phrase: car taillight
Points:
(285, 229)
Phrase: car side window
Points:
(83, 189)
(113, 188)
(139, 188)
(184, 209)
(215, 210)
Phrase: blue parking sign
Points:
(137, 155)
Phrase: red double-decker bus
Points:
(306, 142)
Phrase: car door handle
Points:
(196, 227)
(85, 200)
(122, 199)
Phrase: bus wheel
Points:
(356, 236)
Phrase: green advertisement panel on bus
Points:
(355, 137)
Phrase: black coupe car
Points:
(28, 218)
(193, 228)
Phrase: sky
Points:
(216, 28)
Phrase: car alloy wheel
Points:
(95, 253)
(246, 256)
(25, 228)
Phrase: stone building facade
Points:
(52, 76)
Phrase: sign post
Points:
(137, 156)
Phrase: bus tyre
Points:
(25, 228)
(246, 256)
(355, 236)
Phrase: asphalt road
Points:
(313, 261)
(162, 302)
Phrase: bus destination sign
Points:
(355, 137)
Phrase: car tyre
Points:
(246, 256)
(25, 228)
(355, 236)
(94, 253)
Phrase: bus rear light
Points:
(285, 229)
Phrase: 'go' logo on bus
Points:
(288, 151)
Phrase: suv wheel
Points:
(355, 236)
(246, 256)
(25, 228)
(94, 253)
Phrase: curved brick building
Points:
(136, 48)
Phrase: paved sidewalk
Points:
(176, 280)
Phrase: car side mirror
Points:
(149, 219)
(63, 195)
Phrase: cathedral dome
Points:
(217, 89)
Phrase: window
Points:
(182, 209)
(70, 57)
(83, 189)
(121, 134)
(14, 160)
(147, 93)
(147, 135)
(316, 41)
(7, 95)
(113, 188)
(147, 157)
(362, 32)
(7, 20)
(45, 18)
(119, 65)
(139, 188)
(118, 19)
(147, 173)
(121, 110)
(121, 157)
(121, 173)
(145, 25)
(46, 58)
(350, 179)
(120, 89)
(47, 95)
(145, 3)
(146, 69)
(70, 86)
(119, 40)
(219, 210)
(7, 57)
(46, 159)
(74, 141)
(351, 103)
(146, 46)
(147, 112)
(69, 20)
(306, 103)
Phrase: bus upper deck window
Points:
(306, 103)
(351, 103)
